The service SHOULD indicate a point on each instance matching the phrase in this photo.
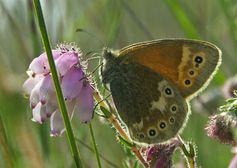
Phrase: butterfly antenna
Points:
(94, 55)
(81, 30)
(96, 68)
(92, 72)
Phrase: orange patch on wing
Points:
(158, 58)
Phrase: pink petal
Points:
(46, 89)
(39, 113)
(70, 107)
(34, 95)
(56, 121)
(56, 54)
(72, 83)
(85, 103)
(40, 64)
(56, 124)
(53, 99)
(30, 83)
(52, 105)
(50, 108)
(66, 61)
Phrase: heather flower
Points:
(76, 87)
(221, 127)
(160, 155)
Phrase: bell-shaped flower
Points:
(76, 87)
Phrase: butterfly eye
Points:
(162, 125)
(174, 108)
(171, 120)
(198, 59)
(152, 132)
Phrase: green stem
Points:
(95, 146)
(110, 163)
(62, 105)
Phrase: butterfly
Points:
(152, 82)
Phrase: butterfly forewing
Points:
(190, 64)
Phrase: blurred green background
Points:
(113, 23)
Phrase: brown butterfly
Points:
(151, 83)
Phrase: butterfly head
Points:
(109, 64)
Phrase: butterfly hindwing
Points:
(150, 106)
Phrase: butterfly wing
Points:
(190, 64)
(151, 106)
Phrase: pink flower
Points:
(221, 127)
(77, 88)
(160, 155)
